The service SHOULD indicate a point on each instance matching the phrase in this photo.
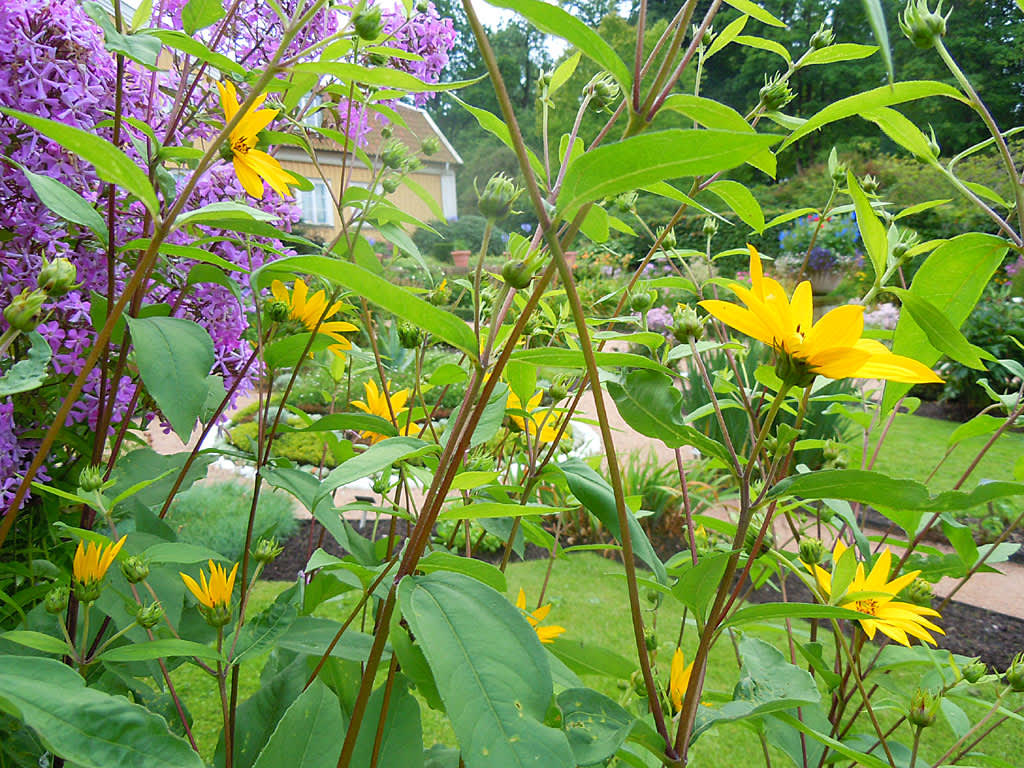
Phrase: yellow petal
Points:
(756, 272)
(841, 327)
(549, 633)
(248, 177)
(270, 169)
(255, 120)
(521, 600)
(228, 100)
(742, 320)
(803, 308)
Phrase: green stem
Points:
(851, 659)
(478, 277)
(5, 341)
(916, 746)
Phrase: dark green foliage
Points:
(302, 448)
(466, 233)
(216, 516)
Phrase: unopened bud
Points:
(603, 91)
(750, 538)
(393, 154)
(390, 183)
(135, 569)
(668, 238)
(709, 227)
(386, 131)
(87, 592)
(57, 277)
(410, 335)
(543, 81)
(812, 551)
(56, 600)
(919, 592)
(650, 639)
(382, 483)
(367, 23)
(559, 389)
(706, 38)
(921, 25)
(430, 146)
(775, 93)
(479, 460)
(974, 670)
(823, 38)
(626, 202)
(499, 194)
(686, 323)
(905, 242)
(266, 551)
(833, 450)
(922, 709)
(276, 311)
(422, 6)
(148, 616)
(869, 184)
(440, 295)
(517, 274)
(91, 478)
(933, 145)
(25, 310)
(1015, 673)
(641, 301)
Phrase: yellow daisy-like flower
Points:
(679, 679)
(831, 347)
(547, 433)
(253, 165)
(214, 596)
(309, 309)
(92, 562)
(376, 404)
(874, 594)
(545, 634)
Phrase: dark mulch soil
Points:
(971, 631)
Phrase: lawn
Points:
(588, 598)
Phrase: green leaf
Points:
(583, 658)
(595, 725)
(755, 11)
(697, 584)
(726, 36)
(340, 422)
(307, 734)
(200, 14)
(522, 379)
(110, 163)
(883, 96)
(37, 641)
(652, 406)
(764, 44)
(476, 569)
(85, 726)
(838, 52)
(553, 20)
(952, 278)
(491, 671)
(312, 636)
(563, 72)
(741, 200)
(594, 493)
(174, 357)
(902, 131)
(552, 357)
(876, 18)
(172, 38)
(771, 611)
(260, 632)
(160, 649)
(858, 758)
(481, 509)
(707, 112)
(376, 458)
(653, 157)
(29, 373)
(383, 77)
(982, 424)
(67, 203)
(499, 129)
(465, 481)
(401, 302)
(941, 333)
(141, 47)
(872, 231)
(401, 736)
(179, 553)
(221, 215)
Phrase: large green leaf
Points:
(307, 735)
(443, 325)
(596, 725)
(401, 743)
(652, 157)
(67, 203)
(553, 357)
(496, 509)
(741, 200)
(111, 163)
(491, 670)
(551, 19)
(583, 658)
(883, 96)
(384, 77)
(499, 129)
(872, 231)
(653, 407)
(312, 636)
(374, 459)
(160, 649)
(200, 14)
(771, 611)
(941, 333)
(172, 38)
(174, 357)
(594, 493)
(85, 726)
(838, 52)
(952, 279)
(29, 373)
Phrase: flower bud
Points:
(921, 25)
(919, 592)
(869, 184)
(750, 538)
(390, 183)
(266, 550)
(832, 450)
(933, 147)
(57, 277)
(823, 38)
(367, 23)
(500, 192)
(905, 241)
(543, 82)
(135, 569)
(559, 389)
(479, 460)
(25, 310)
(217, 616)
(87, 592)
(812, 551)
(1015, 673)
(637, 681)
(411, 164)
(56, 600)
(148, 616)
(381, 483)
(517, 274)
(668, 238)
(709, 227)
(626, 202)
(837, 173)
(386, 131)
(603, 91)
(410, 335)
(393, 154)
(91, 478)
(650, 639)
(641, 301)
(686, 324)
(430, 146)
(276, 311)
(775, 93)
(440, 295)
(706, 38)
(422, 6)
(922, 708)
(974, 670)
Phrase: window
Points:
(317, 205)
(309, 108)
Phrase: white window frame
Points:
(317, 205)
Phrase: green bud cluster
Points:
(25, 311)
(686, 323)
(390, 183)
(919, 592)
(812, 551)
(135, 569)
(410, 335)
(923, 706)
(709, 227)
(430, 146)
(559, 388)
(57, 598)
(87, 592)
(440, 295)
(266, 551)
(498, 196)
(148, 616)
(869, 184)
(973, 671)
(57, 277)
(922, 26)
(91, 478)
(641, 301)
(668, 238)
(276, 311)
(775, 93)
(367, 23)
(393, 155)
(626, 202)
(603, 92)
(823, 38)
(1015, 673)
(217, 616)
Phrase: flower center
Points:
(869, 605)
(240, 146)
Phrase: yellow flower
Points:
(874, 593)
(679, 679)
(253, 165)
(831, 347)
(214, 596)
(377, 405)
(91, 562)
(548, 432)
(309, 309)
(546, 634)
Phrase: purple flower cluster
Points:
(425, 34)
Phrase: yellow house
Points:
(436, 176)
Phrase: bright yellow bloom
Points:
(253, 165)
(874, 593)
(377, 405)
(679, 679)
(214, 594)
(309, 309)
(831, 347)
(545, 634)
(91, 562)
(549, 430)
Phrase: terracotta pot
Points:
(461, 259)
(824, 282)
(570, 259)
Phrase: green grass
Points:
(588, 598)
